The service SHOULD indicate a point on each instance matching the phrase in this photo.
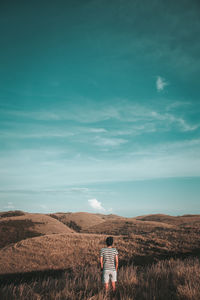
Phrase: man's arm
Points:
(101, 262)
(116, 262)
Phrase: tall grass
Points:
(165, 280)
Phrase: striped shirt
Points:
(108, 255)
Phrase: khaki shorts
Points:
(109, 274)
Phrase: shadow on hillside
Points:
(13, 231)
(25, 277)
(138, 260)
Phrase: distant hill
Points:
(174, 220)
(16, 227)
(81, 221)
(126, 226)
(11, 213)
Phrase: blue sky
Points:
(99, 106)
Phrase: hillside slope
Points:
(17, 228)
(127, 226)
(173, 220)
(81, 220)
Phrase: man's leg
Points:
(114, 279)
(106, 279)
(113, 286)
(106, 286)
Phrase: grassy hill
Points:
(15, 226)
(35, 245)
(178, 220)
(81, 221)
(127, 226)
(42, 242)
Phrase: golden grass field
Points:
(57, 256)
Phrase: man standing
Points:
(109, 263)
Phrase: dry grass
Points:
(173, 279)
(15, 227)
(126, 226)
(82, 220)
(138, 242)
(62, 264)
(13, 231)
(170, 219)
(11, 213)
(61, 251)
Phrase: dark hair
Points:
(109, 241)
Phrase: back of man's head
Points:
(109, 241)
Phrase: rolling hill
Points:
(173, 220)
(35, 242)
(127, 226)
(15, 227)
(81, 221)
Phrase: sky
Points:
(99, 106)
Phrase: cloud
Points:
(84, 113)
(35, 135)
(80, 190)
(109, 142)
(44, 191)
(97, 130)
(9, 206)
(169, 118)
(95, 204)
(141, 118)
(161, 83)
(43, 206)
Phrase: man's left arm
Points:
(116, 262)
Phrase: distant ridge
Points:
(169, 219)
(82, 220)
(11, 213)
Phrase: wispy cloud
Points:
(161, 83)
(43, 206)
(97, 130)
(49, 191)
(95, 204)
(177, 104)
(124, 111)
(109, 142)
(159, 160)
(165, 149)
(35, 135)
(80, 190)
(9, 206)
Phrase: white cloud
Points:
(81, 190)
(109, 142)
(43, 206)
(95, 204)
(161, 83)
(97, 130)
(9, 206)
(35, 135)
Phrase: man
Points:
(109, 263)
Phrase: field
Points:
(57, 256)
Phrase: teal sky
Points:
(99, 106)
